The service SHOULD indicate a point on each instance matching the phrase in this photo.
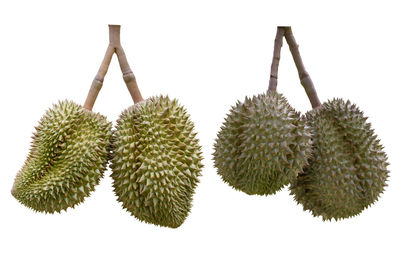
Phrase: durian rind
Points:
(262, 145)
(348, 169)
(156, 161)
(68, 156)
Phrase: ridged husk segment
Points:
(68, 156)
(156, 161)
(348, 169)
(262, 145)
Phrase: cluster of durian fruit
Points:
(154, 152)
(331, 158)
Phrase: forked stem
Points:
(129, 78)
(305, 78)
(273, 77)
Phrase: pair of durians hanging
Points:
(154, 153)
(333, 161)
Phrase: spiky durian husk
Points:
(348, 169)
(156, 161)
(262, 145)
(68, 156)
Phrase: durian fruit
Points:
(262, 145)
(156, 157)
(348, 169)
(68, 156)
(69, 152)
(156, 161)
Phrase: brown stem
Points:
(114, 32)
(98, 79)
(129, 77)
(305, 78)
(273, 78)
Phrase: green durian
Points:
(68, 156)
(262, 145)
(348, 169)
(156, 161)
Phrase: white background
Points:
(208, 54)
